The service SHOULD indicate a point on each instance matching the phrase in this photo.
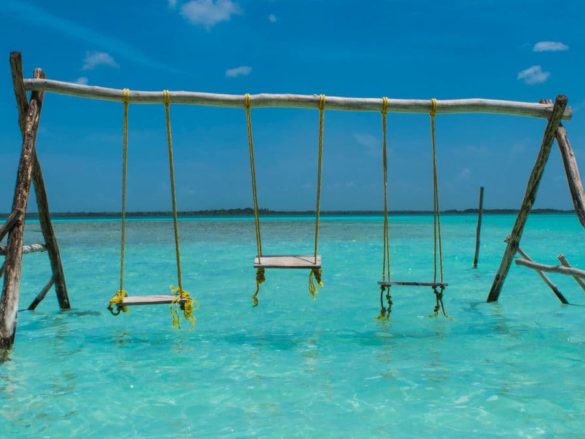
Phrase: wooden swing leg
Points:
(529, 197)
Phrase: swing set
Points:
(29, 173)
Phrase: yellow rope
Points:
(316, 273)
(437, 240)
(183, 298)
(260, 274)
(385, 311)
(121, 293)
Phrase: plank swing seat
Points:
(287, 262)
(263, 262)
(438, 285)
(180, 299)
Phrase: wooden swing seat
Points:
(287, 262)
(155, 299)
(412, 284)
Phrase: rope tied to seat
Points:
(315, 275)
(119, 296)
(437, 239)
(385, 311)
(183, 299)
(260, 273)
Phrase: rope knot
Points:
(315, 280)
(434, 106)
(247, 101)
(126, 95)
(115, 304)
(260, 279)
(183, 301)
(166, 97)
(385, 105)
(322, 100)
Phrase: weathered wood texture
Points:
(9, 223)
(529, 197)
(565, 263)
(27, 248)
(570, 271)
(412, 284)
(287, 262)
(42, 294)
(478, 228)
(160, 299)
(475, 105)
(546, 280)
(39, 185)
(13, 261)
(572, 171)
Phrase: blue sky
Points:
(520, 50)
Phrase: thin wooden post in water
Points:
(13, 261)
(546, 280)
(572, 171)
(39, 184)
(478, 228)
(529, 197)
(42, 294)
(565, 263)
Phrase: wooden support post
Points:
(13, 261)
(529, 197)
(39, 185)
(546, 280)
(42, 294)
(572, 171)
(478, 228)
(565, 263)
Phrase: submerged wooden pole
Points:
(572, 171)
(478, 228)
(529, 197)
(39, 185)
(475, 105)
(13, 261)
(565, 263)
(42, 294)
(546, 280)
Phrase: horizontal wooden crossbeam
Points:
(561, 269)
(287, 262)
(474, 105)
(27, 248)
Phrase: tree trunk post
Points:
(529, 197)
(478, 228)
(572, 171)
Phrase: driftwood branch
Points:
(565, 263)
(529, 197)
(572, 171)
(570, 271)
(9, 223)
(475, 105)
(42, 294)
(546, 280)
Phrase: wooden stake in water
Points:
(478, 229)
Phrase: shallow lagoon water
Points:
(293, 366)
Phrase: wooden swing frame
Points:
(29, 170)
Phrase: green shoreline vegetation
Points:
(268, 212)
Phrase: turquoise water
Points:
(294, 367)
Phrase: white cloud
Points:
(82, 80)
(272, 18)
(550, 46)
(464, 174)
(533, 75)
(208, 13)
(367, 140)
(238, 71)
(95, 59)
(172, 4)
